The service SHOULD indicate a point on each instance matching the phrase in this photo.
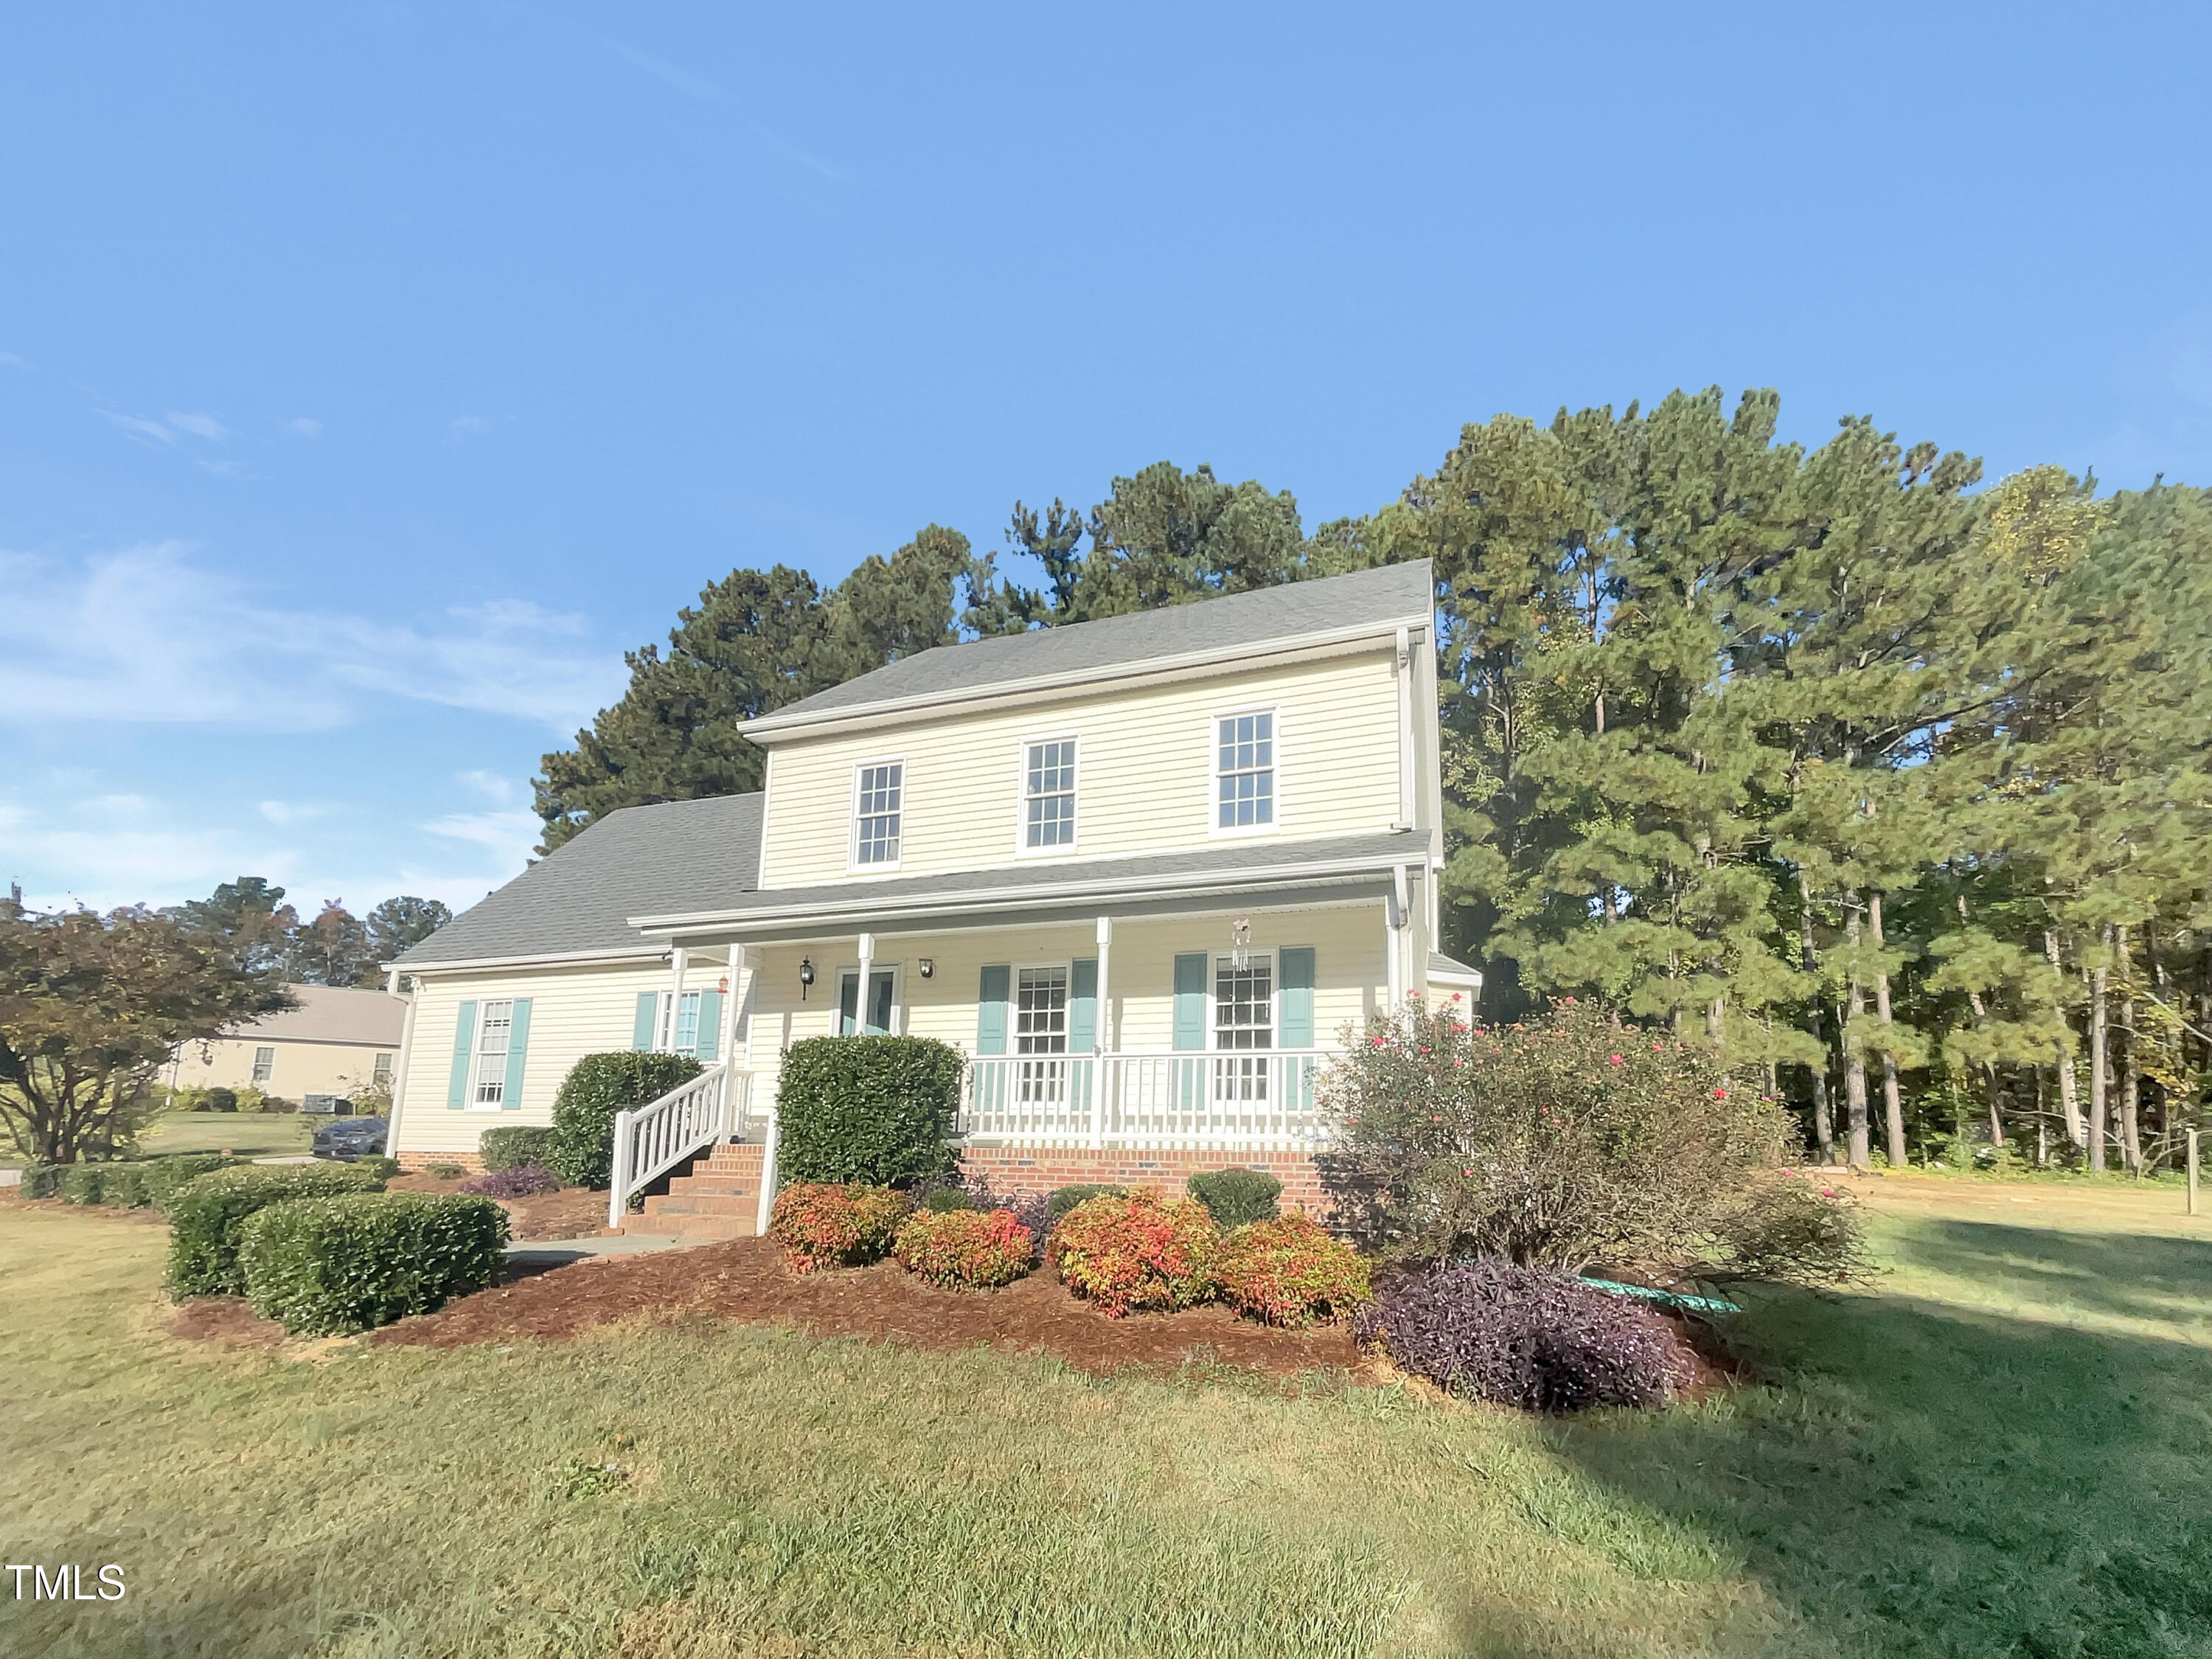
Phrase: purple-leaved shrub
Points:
(1520, 1336)
(523, 1180)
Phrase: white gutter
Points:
(1174, 885)
(392, 981)
(769, 728)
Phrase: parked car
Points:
(350, 1138)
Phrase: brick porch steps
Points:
(718, 1199)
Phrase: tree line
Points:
(332, 947)
(1889, 785)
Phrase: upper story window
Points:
(1244, 768)
(1048, 793)
(264, 1063)
(878, 792)
(380, 1069)
(496, 1025)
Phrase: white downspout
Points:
(392, 980)
(861, 999)
(1394, 917)
(1102, 1082)
(678, 959)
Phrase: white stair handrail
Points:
(649, 1140)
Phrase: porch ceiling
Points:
(1333, 870)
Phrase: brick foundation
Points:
(1037, 1169)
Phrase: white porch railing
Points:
(1250, 1099)
(650, 1141)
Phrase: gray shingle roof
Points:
(1384, 596)
(679, 856)
(332, 1013)
(1441, 963)
(1262, 860)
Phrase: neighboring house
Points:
(337, 1041)
(1147, 872)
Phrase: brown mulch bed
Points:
(747, 1280)
(572, 1213)
(225, 1321)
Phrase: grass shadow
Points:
(1926, 1478)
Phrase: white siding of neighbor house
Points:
(1350, 977)
(1145, 777)
(573, 1012)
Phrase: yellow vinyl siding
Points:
(1347, 941)
(573, 1012)
(302, 1067)
(1145, 778)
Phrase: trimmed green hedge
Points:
(207, 1214)
(876, 1110)
(42, 1180)
(129, 1184)
(510, 1148)
(166, 1177)
(327, 1266)
(596, 1088)
(1237, 1196)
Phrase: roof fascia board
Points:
(1342, 893)
(1338, 642)
(1245, 879)
(630, 954)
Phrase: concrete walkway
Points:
(554, 1252)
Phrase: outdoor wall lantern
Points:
(805, 975)
(928, 965)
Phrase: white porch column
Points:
(1102, 1036)
(861, 999)
(678, 959)
(726, 1044)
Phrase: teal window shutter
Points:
(648, 1010)
(464, 1037)
(1294, 1003)
(1190, 1000)
(991, 1009)
(517, 1051)
(1082, 1006)
(710, 1025)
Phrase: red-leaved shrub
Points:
(821, 1225)
(1289, 1272)
(1136, 1252)
(977, 1248)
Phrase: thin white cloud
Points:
(491, 786)
(199, 425)
(467, 426)
(10, 360)
(285, 813)
(68, 853)
(141, 429)
(304, 427)
(143, 637)
(707, 92)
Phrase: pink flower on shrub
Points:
(1614, 1059)
(1720, 1094)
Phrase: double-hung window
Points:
(1245, 770)
(380, 1072)
(495, 1022)
(264, 1064)
(1040, 1033)
(679, 1023)
(1243, 1025)
(878, 792)
(1048, 793)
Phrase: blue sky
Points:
(371, 376)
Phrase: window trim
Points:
(1022, 847)
(477, 1057)
(1214, 828)
(259, 1072)
(853, 865)
(1213, 961)
(1065, 967)
(665, 1013)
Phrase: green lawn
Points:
(2004, 1448)
(249, 1135)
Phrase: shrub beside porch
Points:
(1040, 1169)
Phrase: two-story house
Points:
(1146, 872)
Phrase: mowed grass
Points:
(247, 1134)
(1981, 1455)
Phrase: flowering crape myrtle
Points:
(1574, 1141)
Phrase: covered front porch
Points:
(1185, 1024)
